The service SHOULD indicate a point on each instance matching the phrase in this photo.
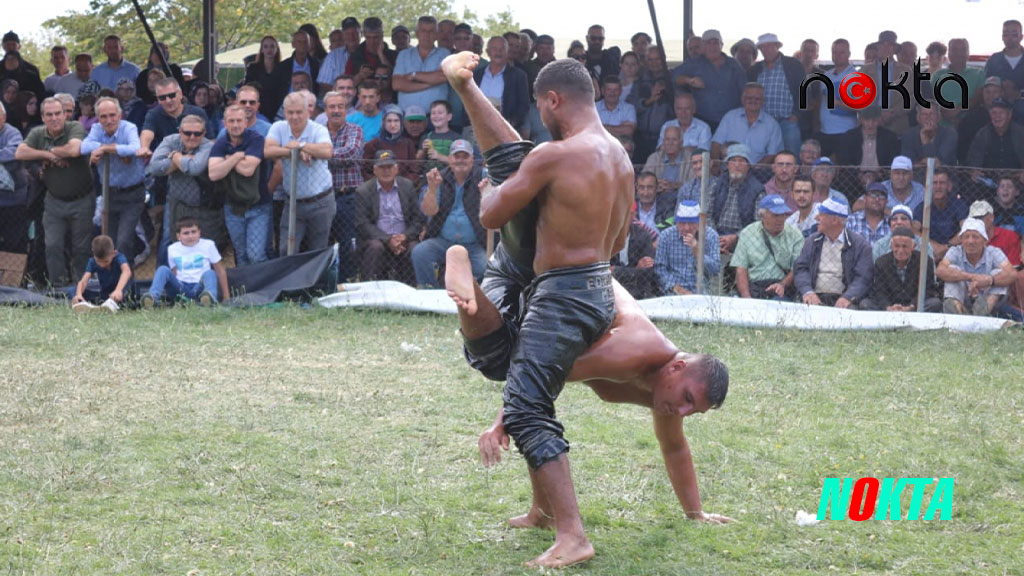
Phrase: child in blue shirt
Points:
(114, 274)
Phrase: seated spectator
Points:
(765, 253)
(675, 259)
(114, 274)
(13, 191)
(834, 268)
(368, 115)
(750, 126)
(810, 153)
(823, 174)
(235, 170)
(784, 169)
(69, 200)
(382, 75)
(315, 205)
(947, 214)
(1009, 242)
(976, 117)
(929, 139)
(183, 159)
(393, 139)
(895, 278)
(870, 222)
(1000, 143)
(415, 125)
(670, 163)
(439, 140)
(901, 186)
(86, 100)
(733, 198)
(452, 202)
(869, 145)
(1009, 209)
(388, 222)
(900, 217)
(716, 80)
(633, 266)
(690, 190)
(805, 217)
(695, 132)
(194, 270)
(654, 209)
(976, 275)
(504, 83)
(617, 116)
(126, 199)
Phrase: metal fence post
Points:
(925, 234)
(106, 195)
(705, 175)
(292, 191)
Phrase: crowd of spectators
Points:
(820, 203)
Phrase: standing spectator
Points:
(418, 78)
(545, 54)
(929, 139)
(61, 68)
(199, 95)
(894, 284)
(654, 209)
(126, 197)
(1000, 144)
(947, 214)
(142, 80)
(372, 53)
(346, 152)
(895, 117)
(745, 52)
(388, 222)
(281, 81)
(463, 42)
(936, 59)
(69, 202)
(9, 91)
(696, 132)
(133, 109)
(316, 45)
(504, 83)
(71, 83)
(248, 97)
(780, 75)
(1006, 64)
(653, 99)
(976, 275)
(164, 120)
(261, 72)
(87, 96)
(675, 259)
(751, 126)
(977, 117)
(670, 163)
(959, 53)
(183, 158)
(617, 116)
(452, 202)
(15, 68)
(834, 122)
(400, 37)
(437, 144)
(25, 112)
(368, 115)
(868, 145)
(392, 138)
(116, 67)
(834, 268)
(601, 61)
(234, 168)
(13, 191)
(716, 80)
(639, 43)
(445, 34)
(316, 206)
(629, 68)
(766, 252)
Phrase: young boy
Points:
(195, 271)
(114, 274)
(438, 142)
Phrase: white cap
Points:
(975, 225)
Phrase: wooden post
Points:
(925, 235)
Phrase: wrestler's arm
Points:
(679, 465)
(498, 204)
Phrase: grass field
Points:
(290, 441)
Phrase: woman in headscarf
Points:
(393, 138)
(25, 113)
(133, 109)
(14, 68)
(86, 100)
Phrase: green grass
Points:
(289, 441)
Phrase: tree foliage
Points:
(239, 22)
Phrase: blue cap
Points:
(774, 204)
(688, 211)
(834, 207)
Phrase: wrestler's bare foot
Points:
(564, 553)
(535, 518)
(458, 275)
(458, 67)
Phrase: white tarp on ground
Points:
(695, 309)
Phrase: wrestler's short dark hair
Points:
(567, 77)
(716, 377)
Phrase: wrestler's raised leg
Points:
(489, 127)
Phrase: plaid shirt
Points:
(675, 264)
(344, 161)
(778, 102)
(858, 223)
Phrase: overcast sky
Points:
(979, 21)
